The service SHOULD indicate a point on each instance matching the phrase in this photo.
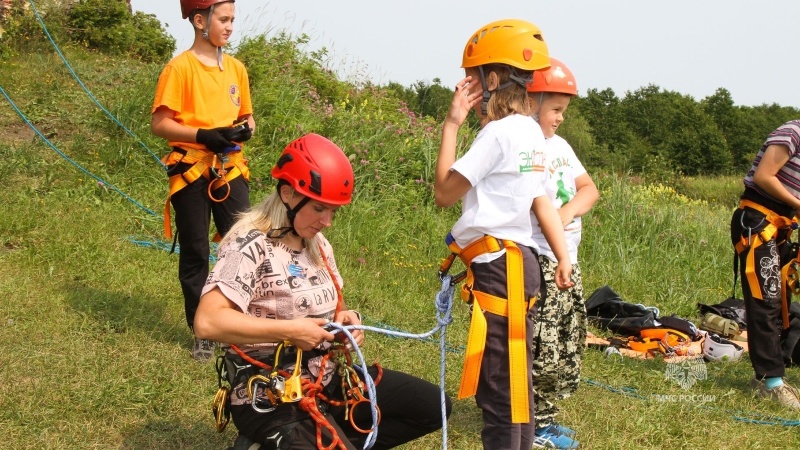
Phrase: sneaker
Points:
(784, 394)
(549, 437)
(203, 349)
(561, 429)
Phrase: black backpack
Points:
(605, 309)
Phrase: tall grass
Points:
(95, 348)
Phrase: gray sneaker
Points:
(203, 349)
(785, 394)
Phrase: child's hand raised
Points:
(464, 100)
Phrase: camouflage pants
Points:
(559, 338)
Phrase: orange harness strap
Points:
(202, 162)
(515, 308)
(788, 272)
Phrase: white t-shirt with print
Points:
(561, 169)
(264, 278)
(505, 166)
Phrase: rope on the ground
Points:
(88, 92)
(70, 160)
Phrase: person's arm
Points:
(163, 125)
(553, 231)
(766, 175)
(449, 186)
(218, 319)
(586, 196)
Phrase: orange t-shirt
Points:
(203, 96)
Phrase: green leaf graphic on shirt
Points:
(563, 194)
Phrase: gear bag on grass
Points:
(731, 308)
(605, 309)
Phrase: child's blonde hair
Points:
(513, 98)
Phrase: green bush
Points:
(108, 26)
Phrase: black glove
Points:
(238, 133)
(214, 139)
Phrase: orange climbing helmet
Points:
(515, 42)
(317, 168)
(558, 78)
(187, 6)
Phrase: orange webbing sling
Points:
(788, 272)
(202, 162)
(515, 308)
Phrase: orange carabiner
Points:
(358, 398)
(219, 180)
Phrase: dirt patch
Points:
(16, 133)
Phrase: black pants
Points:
(764, 324)
(193, 211)
(493, 395)
(409, 406)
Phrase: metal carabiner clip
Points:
(266, 384)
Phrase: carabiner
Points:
(265, 383)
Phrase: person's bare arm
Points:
(766, 175)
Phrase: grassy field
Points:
(95, 348)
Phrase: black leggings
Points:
(410, 407)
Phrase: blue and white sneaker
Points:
(549, 437)
(561, 429)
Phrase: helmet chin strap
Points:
(539, 107)
(514, 78)
(206, 29)
(291, 213)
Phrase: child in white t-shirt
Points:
(498, 179)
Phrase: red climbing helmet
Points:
(317, 168)
(558, 78)
(187, 6)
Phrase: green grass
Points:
(95, 348)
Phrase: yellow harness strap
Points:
(202, 161)
(788, 272)
(515, 308)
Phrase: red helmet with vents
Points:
(317, 168)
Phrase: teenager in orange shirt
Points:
(201, 94)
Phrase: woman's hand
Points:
(350, 317)
(308, 333)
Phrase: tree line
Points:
(650, 131)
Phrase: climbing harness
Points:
(751, 241)
(665, 341)
(219, 169)
(515, 308)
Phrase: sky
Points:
(692, 47)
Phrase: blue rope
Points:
(444, 304)
(63, 155)
(167, 246)
(74, 75)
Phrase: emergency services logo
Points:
(687, 372)
(235, 95)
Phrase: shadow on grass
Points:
(116, 312)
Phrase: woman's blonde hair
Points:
(512, 99)
(271, 214)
